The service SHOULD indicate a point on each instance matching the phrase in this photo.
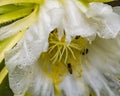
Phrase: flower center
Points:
(62, 58)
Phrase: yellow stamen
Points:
(55, 61)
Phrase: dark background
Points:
(115, 3)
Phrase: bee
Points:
(85, 51)
(69, 66)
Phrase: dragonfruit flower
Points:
(72, 49)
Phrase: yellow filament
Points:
(56, 90)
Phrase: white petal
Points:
(117, 9)
(22, 58)
(106, 52)
(54, 11)
(51, 13)
(97, 82)
(49, 18)
(20, 63)
(41, 85)
(104, 19)
(75, 21)
(103, 66)
(74, 87)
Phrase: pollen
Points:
(63, 58)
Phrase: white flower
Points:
(68, 52)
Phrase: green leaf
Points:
(12, 7)
(8, 8)
(3, 74)
(5, 89)
(5, 2)
(2, 64)
(21, 24)
(10, 16)
(8, 43)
